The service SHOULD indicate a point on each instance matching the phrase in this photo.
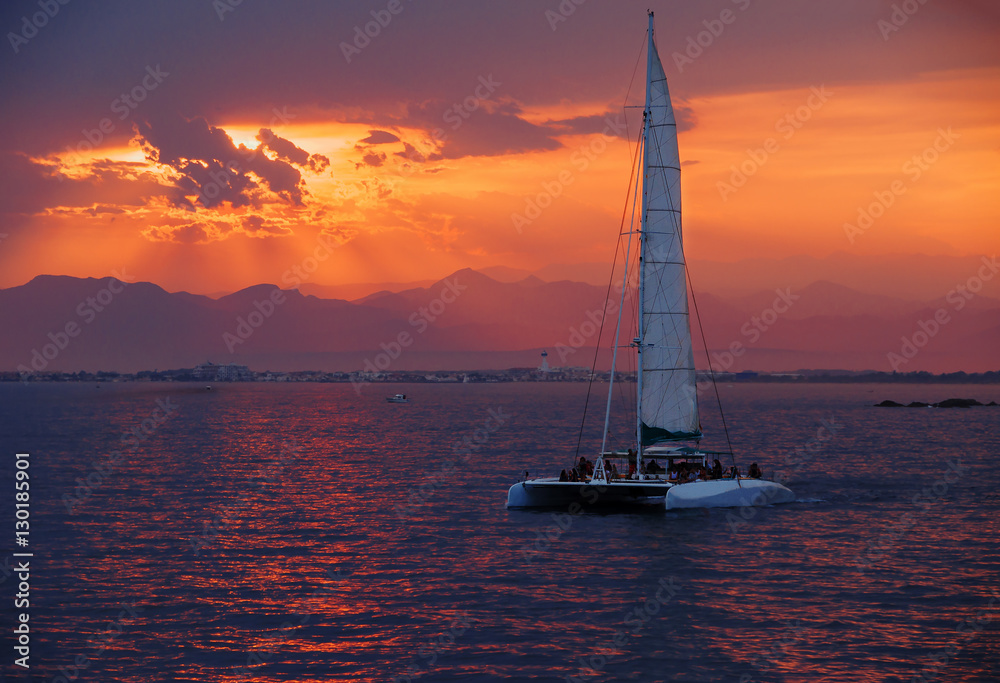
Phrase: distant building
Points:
(545, 362)
(223, 373)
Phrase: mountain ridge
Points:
(141, 326)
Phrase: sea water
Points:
(315, 532)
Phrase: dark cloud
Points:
(410, 153)
(685, 116)
(290, 152)
(319, 162)
(618, 122)
(189, 233)
(475, 127)
(611, 122)
(495, 134)
(374, 158)
(379, 137)
(285, 149)
(223, 70)
(212, 167)
(256, 226)
(33, 186)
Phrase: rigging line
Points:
(607, 297)
(711, 370)
(642, 45)
(621, 305)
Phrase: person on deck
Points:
(716, 469)
(563, 476)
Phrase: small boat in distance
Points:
(666, 388)
(398, 398)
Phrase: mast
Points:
(642, 240)
(618, 328)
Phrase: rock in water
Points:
(888, 404)
(958, 403)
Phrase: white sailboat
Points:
(666, 393)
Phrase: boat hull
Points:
(727, 493)
(543, 493)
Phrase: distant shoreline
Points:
(501, 376)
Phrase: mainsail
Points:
(668, 396)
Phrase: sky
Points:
(209, 145)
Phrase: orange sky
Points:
(396, 220)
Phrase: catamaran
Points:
(666, 392)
